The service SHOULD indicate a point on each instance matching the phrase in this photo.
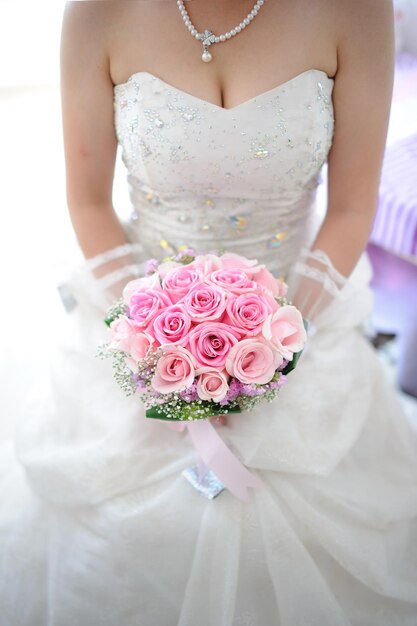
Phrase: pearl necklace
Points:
(207, 37)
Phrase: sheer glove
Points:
(100, 280)
(314, 285)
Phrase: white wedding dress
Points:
(97, 524)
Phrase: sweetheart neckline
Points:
(216, 106)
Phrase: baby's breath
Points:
(116, 310)
(175, 408)
(122, 374)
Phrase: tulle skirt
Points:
(98, 525)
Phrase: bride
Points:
(223, 142)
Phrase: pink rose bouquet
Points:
(204, 335)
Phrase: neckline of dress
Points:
(216, 106)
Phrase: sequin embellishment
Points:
(242, 180)
(277, 240)
(261, 153)
(240, 222)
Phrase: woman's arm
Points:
(362, 99)
(88, 126)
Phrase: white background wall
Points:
(37, 244)
(29, 41)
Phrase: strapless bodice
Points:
(242, 179)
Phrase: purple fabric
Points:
(405, 79)
(394, 285)
(395, 224)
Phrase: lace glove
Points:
(100, 280)
(314, 285)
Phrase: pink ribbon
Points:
(219, 458)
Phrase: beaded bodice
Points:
(242, 179)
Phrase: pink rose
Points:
(285, 330)
(205, 302)
(282, 288)
(248, 312)
(167, 267)
(258, 273)
(206, 263)
(211, 384)
(125, 337)
(253, 361)
(146, 305)
(264, 278)
(141, 284)
(233, 261)
(178, 282)
(140, 345)
(211, 343)
(172, 325)
(121, 331)
(234, 280)
(175, 370)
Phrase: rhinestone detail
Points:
(235, 179)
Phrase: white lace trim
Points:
(322, 257)
(133, 270)
(112, 254)
(318, 276)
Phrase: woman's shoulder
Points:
(88, 18)
(93, 23)
(359, 15)
(365, 27)
(87, 29)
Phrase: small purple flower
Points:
(186, 252)
(252, 390)
(276, 384)
(190, 393)
(235, 389)
(281, 381)
(151, 266)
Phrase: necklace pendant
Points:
(206, 56)
(207, 39)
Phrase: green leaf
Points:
(292, 364)
(188, 412)
(220, 410)
(158, 413)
